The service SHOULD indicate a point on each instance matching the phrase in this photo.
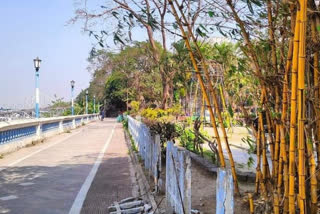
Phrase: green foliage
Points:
(150, 114)
(135, 106)
(160, 115)
(186, 137)
(125, 123)
(114, 90)
(252, 149)
(166, 130)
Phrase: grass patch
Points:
(209, 155)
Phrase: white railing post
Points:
(74, 123)
(38, 131)
(61, 126)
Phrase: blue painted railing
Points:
(50, 126)
(37, 128)
(67, 123)
(14, 134)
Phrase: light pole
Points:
(37, 62)
(72, 103)
(94, 104)
(87, 101)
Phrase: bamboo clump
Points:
(204, 91)
(289, 110)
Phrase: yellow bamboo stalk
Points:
(316, 87)
(276, 203)
(301, 106)
(251, 203)
(285, 172)
(281, 128)
(293, 117)
(313, 178)
(203, 89)
(264, 153)
(258, 168)
(211, 89)
(276, 153)
(312, 167)
(280, 170)
(271, 143)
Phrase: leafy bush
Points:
(135, 106)
(125, 122)
(161, 115)
(149, 113)
(186, 137)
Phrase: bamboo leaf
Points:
(115, 14)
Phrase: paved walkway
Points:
(82, 171)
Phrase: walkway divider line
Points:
(36, 152)
(81, 196)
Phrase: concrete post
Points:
(225, 202)
(178, 180)
(38, 131)
(74, 123)
(61, 126)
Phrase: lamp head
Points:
(36, 63)
(72, 83)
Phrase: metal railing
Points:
(36, 129)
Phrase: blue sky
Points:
(33, 28)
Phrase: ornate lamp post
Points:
(72, 102)
(87, 101)
(37, 62)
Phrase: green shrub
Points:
(135, 106)
(125, 123)
(149, 113)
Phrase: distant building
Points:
(217, 40)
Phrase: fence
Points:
(148, 146)
(16, 134)
(178, 180)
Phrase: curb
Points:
(142, 180)
(212, 168)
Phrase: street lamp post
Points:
(37, 62)
(72, 102)
(87, 101)
(94, 104)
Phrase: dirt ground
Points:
(204, 192)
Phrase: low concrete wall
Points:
(17, 134)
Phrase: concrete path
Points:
(86, 169)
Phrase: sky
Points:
(32, 28)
